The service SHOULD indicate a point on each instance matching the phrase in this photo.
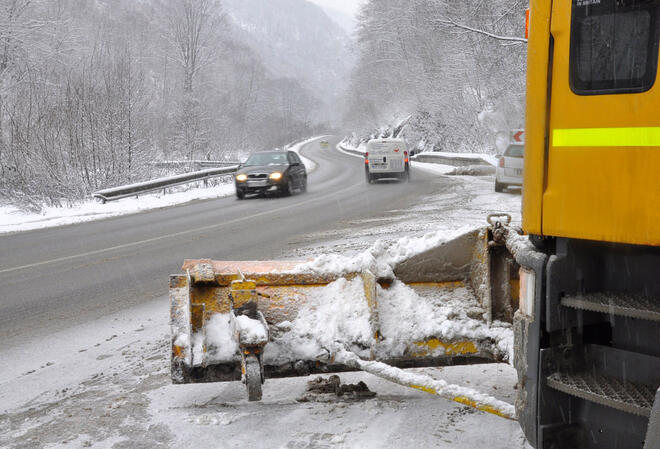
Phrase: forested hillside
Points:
(92, 91)
(434, 61)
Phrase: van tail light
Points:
(501, 164)
(366, 157)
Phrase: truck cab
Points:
(588, 327)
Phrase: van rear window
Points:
(614, 46)
(386, 146)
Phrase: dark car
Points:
(271, 172)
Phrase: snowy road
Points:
(53, 278)
(99, 377)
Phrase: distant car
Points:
(280, 172)
(386, 158)
(323, 143)
(510, 167)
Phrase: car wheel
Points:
(287, 189)
(499, 187)
(304, 185)
(240, 194)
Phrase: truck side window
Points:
(614, 46)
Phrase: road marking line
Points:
(176, 234)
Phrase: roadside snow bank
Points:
(13, 219)
(440, 169)
(446, 155)
(310, 165)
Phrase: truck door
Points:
(604, 122)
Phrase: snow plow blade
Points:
(451, 303)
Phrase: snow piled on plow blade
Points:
(381, 257)
(420, 302)
(402, 321)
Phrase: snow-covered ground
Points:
(106, 384)
(13, 219)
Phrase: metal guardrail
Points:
(456, 161)
(350, 150)
(116, 193)
(197, 164)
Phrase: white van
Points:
(386, 158)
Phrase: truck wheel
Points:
(240, 194)
(499, 187)
(253, 378)
(368, 177)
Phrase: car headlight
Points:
(242, 177)
(275, 176)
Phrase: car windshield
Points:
(515, 151)
(266, 159)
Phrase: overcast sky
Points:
(349, 7)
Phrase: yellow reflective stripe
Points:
(606, 137)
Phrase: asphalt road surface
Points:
(56, 278)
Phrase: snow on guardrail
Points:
(456, 159)
(196, 164)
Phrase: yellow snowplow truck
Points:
(577, 288)
(589, 323)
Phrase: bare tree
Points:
(191, 26)
(85, 104)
